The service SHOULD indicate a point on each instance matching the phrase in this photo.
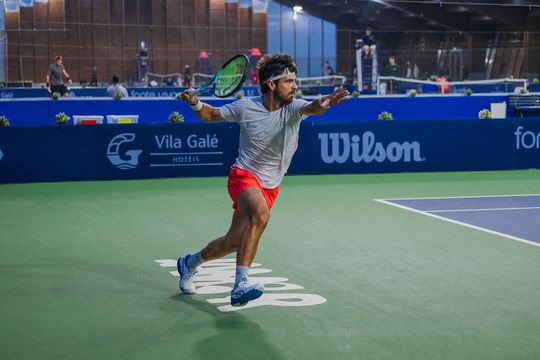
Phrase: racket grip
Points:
(196, 92)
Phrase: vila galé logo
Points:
(125, 160)
(342, 147)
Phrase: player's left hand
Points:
(337, 97)
(70, 82)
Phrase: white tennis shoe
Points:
(186, 276)
(244, 292)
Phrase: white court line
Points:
(486, 209)
(464, 197)
(511, 237)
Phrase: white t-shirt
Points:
(268, 139)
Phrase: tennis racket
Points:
(228, 80)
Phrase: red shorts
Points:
(240, 180)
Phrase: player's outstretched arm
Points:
(319, 106)
(203, 111)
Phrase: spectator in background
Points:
(465, 73)
(143, 58)
(116, 90)
(328, 70)
(188, 77)
(413, 71)
(409, 73)
(369, 45)
(55, 80)
(392, 69)
(93, 77)
(255, 78)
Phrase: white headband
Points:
(281, 75)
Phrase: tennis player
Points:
(269, 127)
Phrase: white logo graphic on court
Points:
(217, 276)
(126, 160)
(526, 139)
(342, 147)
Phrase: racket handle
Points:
(196, 92)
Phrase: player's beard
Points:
(283, 99)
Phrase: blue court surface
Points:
(513, 216)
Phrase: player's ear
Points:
(271, 85)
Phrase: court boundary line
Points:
(463, 197)
(485, 209)
(475, 227)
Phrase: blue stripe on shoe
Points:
(245, 298)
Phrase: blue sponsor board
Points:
(61, 153)
(152, 92)
(22, 112)
(412, 146)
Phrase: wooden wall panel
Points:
(159, 37)
(217, 33)
(27, 42)
(232, 37)
(174, 36)
(131, 37)
(116, 43)
(72, 38)
(101, 16)
(108, 33)
(41, 42)
(86, 38)
(259, 32)
(189, 33)
(12, 24)
(245, 28)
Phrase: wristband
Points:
(68, 78)
(197, 107)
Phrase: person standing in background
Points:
(55, 77)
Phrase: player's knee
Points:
(260, 220)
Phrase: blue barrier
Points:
(156, 111)
(148, 92)
(61, 153)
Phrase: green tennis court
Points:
(80, 280)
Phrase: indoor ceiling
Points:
(427, 15)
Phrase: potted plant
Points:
(62, 119)
(468, 92)
(385, 115)
(239, 94)
(411, 93)
(484, 114)
(176, 118)
(55, 96)
(4, 121)
(118, 97)
(299, 94)
(355, 94)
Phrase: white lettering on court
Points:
(217, 277)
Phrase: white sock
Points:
(195, 260)
(241, 274)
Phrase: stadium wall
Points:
(70, 153)
(23, 112)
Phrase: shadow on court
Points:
(236, 337)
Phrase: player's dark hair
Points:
(115, 79)
(269, 66)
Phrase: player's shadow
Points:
(236, 335)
